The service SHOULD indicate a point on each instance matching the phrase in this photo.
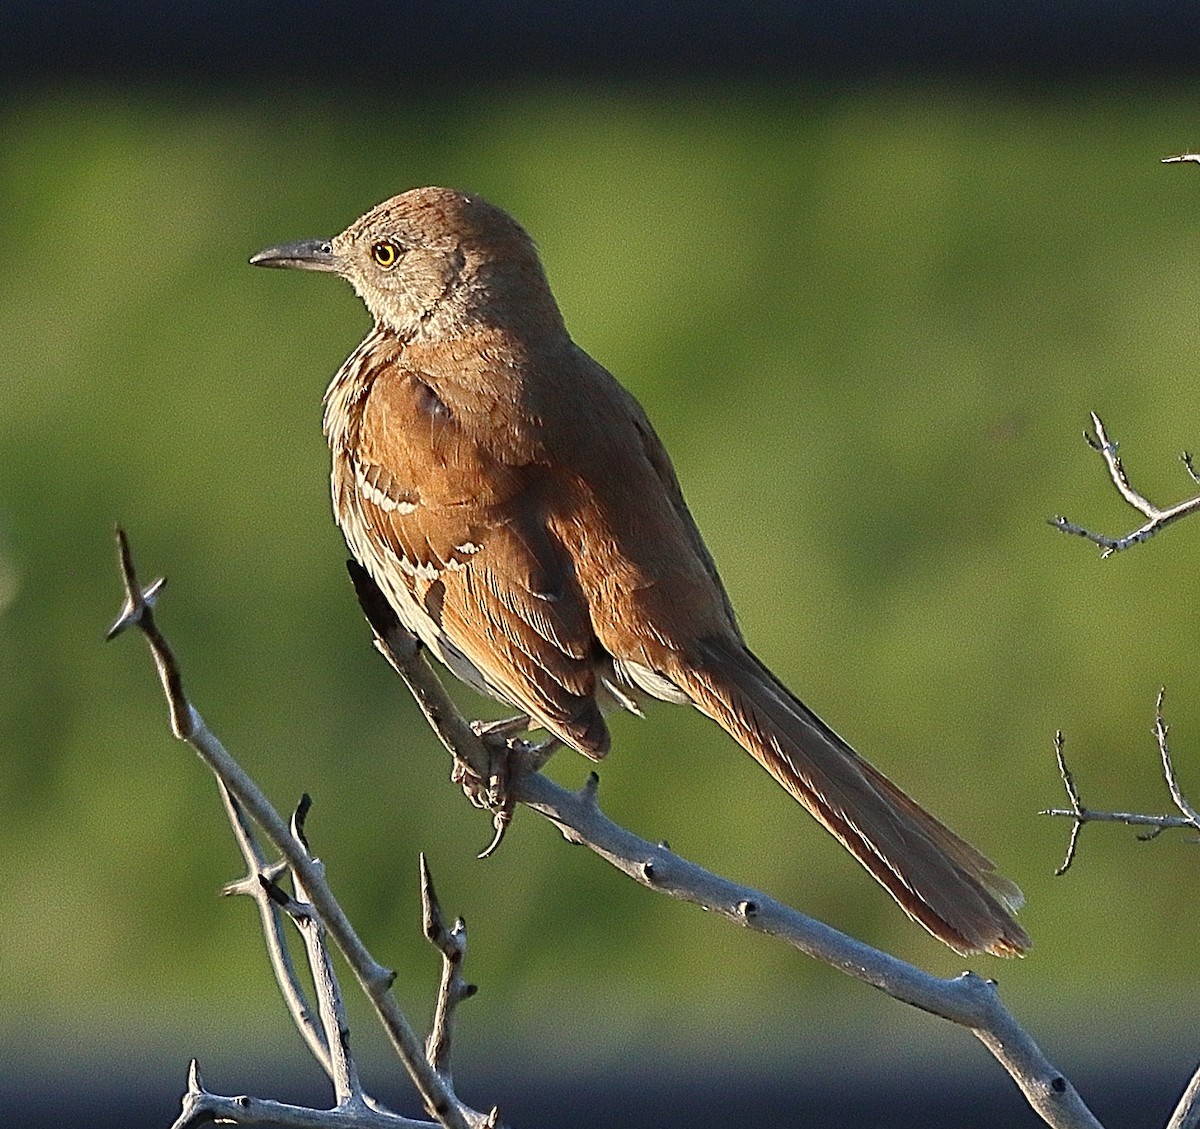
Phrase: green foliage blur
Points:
(869, 326)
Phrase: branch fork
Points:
(317, 915)
(1156, 518)
(1079, 814)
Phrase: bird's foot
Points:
(509, 757)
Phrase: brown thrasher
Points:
(514, 505)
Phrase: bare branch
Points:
(968, 999)
(138, 611)
(255, 884)
(343, 1072)
(1079, 814)
(1078, 811)
(202, 1108)
(452, 944)
(1190, 466)
(1187, 1112)
(374, 979)
(1156, 518)
(1160, 735)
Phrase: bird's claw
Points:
(481, 791)
(509, 756)
(501, 818)
(492, 793)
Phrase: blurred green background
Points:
(869, 325)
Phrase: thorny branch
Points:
(452, 944)
(1187, 1112)
(258, 883)
(1156, 518)
(1079, 814)
(968, 999)
(315, 910)
(347, 1088)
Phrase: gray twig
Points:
(1077, 809)
(1079, 814)
(256, 884)
(375, 980)
(1156, 518)
(1190, 817)
(347, 1088)
(453, 989)
(1187, 1112)
(202, 1108)
(968, 999)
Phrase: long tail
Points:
(939, 879)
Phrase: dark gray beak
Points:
(308, 254)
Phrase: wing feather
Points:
(461, 530)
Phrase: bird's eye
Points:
(385, 253)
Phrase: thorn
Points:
(431, 911)
(276, 869)
(238, 886)
(131, 612)
(591, 787)
(137, 599)
(195, 1082)
(298, 819)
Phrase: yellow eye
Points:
(385, 253)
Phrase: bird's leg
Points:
(509, 756)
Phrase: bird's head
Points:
(433, 262)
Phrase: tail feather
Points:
(939, 879)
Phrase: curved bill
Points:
(308, 254)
